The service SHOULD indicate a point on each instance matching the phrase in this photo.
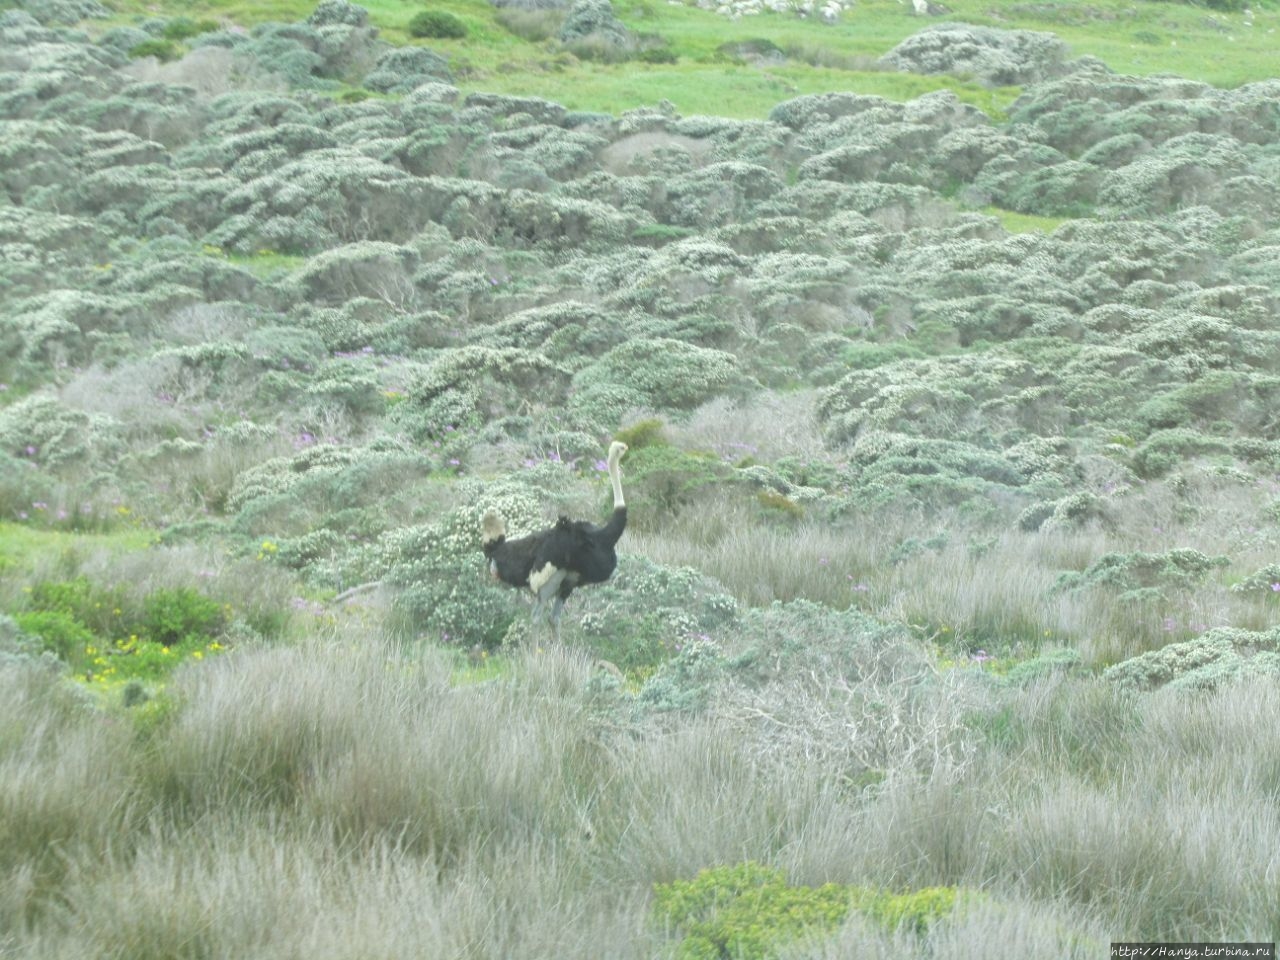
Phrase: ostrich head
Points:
(493, 528)
(616, 450)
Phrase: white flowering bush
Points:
(380, 271)
(999, 57)
(470, 386)
(1139, 571)
(1218, 656)
(330, 12)
(561, 154)
(666, 374)
(323, 197)
(593, 21)
(715, 194)
(403, 69)
(42, 430)
(1264, 581)
(532, 219)
(930, 397)
(570, 332)
(439, 575)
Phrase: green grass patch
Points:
(1025, 222)
(24, 548)
(721, 89)
(1220, 49)
(472, 667)
(748, 911)
(263, 264)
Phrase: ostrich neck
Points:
(615, 477)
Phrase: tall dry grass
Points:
(346, 797)
(962, 583)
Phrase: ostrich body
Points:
(552, 563)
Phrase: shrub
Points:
(998, 57)
(644, 433)
(437, 25)
(649, 614)
(163, 50)
(1216, 657)
(338, 13)
(107, 637)
(445, 594)
(58, 632)
(1165, 450)
(748, 912)
(171, 617)
(1051, 664)
(534, 25)
(98, 609)
(1265, 580)
(1138, 571)
(404, 68)
(668, 374)
(469, 386)
(594, 21)
(1073, 511)
(67, 12)
(662, 478)
(658, 234)
(183, 28)
(380, 271)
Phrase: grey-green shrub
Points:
(332, 12)
(402, 69)
(665, 374)
(1216, 657)
(1138, 570)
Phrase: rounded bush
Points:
(437, 25)
(184, 28)
(162, 50)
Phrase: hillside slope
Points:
(927, 514)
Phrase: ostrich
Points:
(555, 561)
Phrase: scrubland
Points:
(949, 362)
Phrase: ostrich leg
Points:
(557, 608)
(545, 584)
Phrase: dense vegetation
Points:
(945, 616)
